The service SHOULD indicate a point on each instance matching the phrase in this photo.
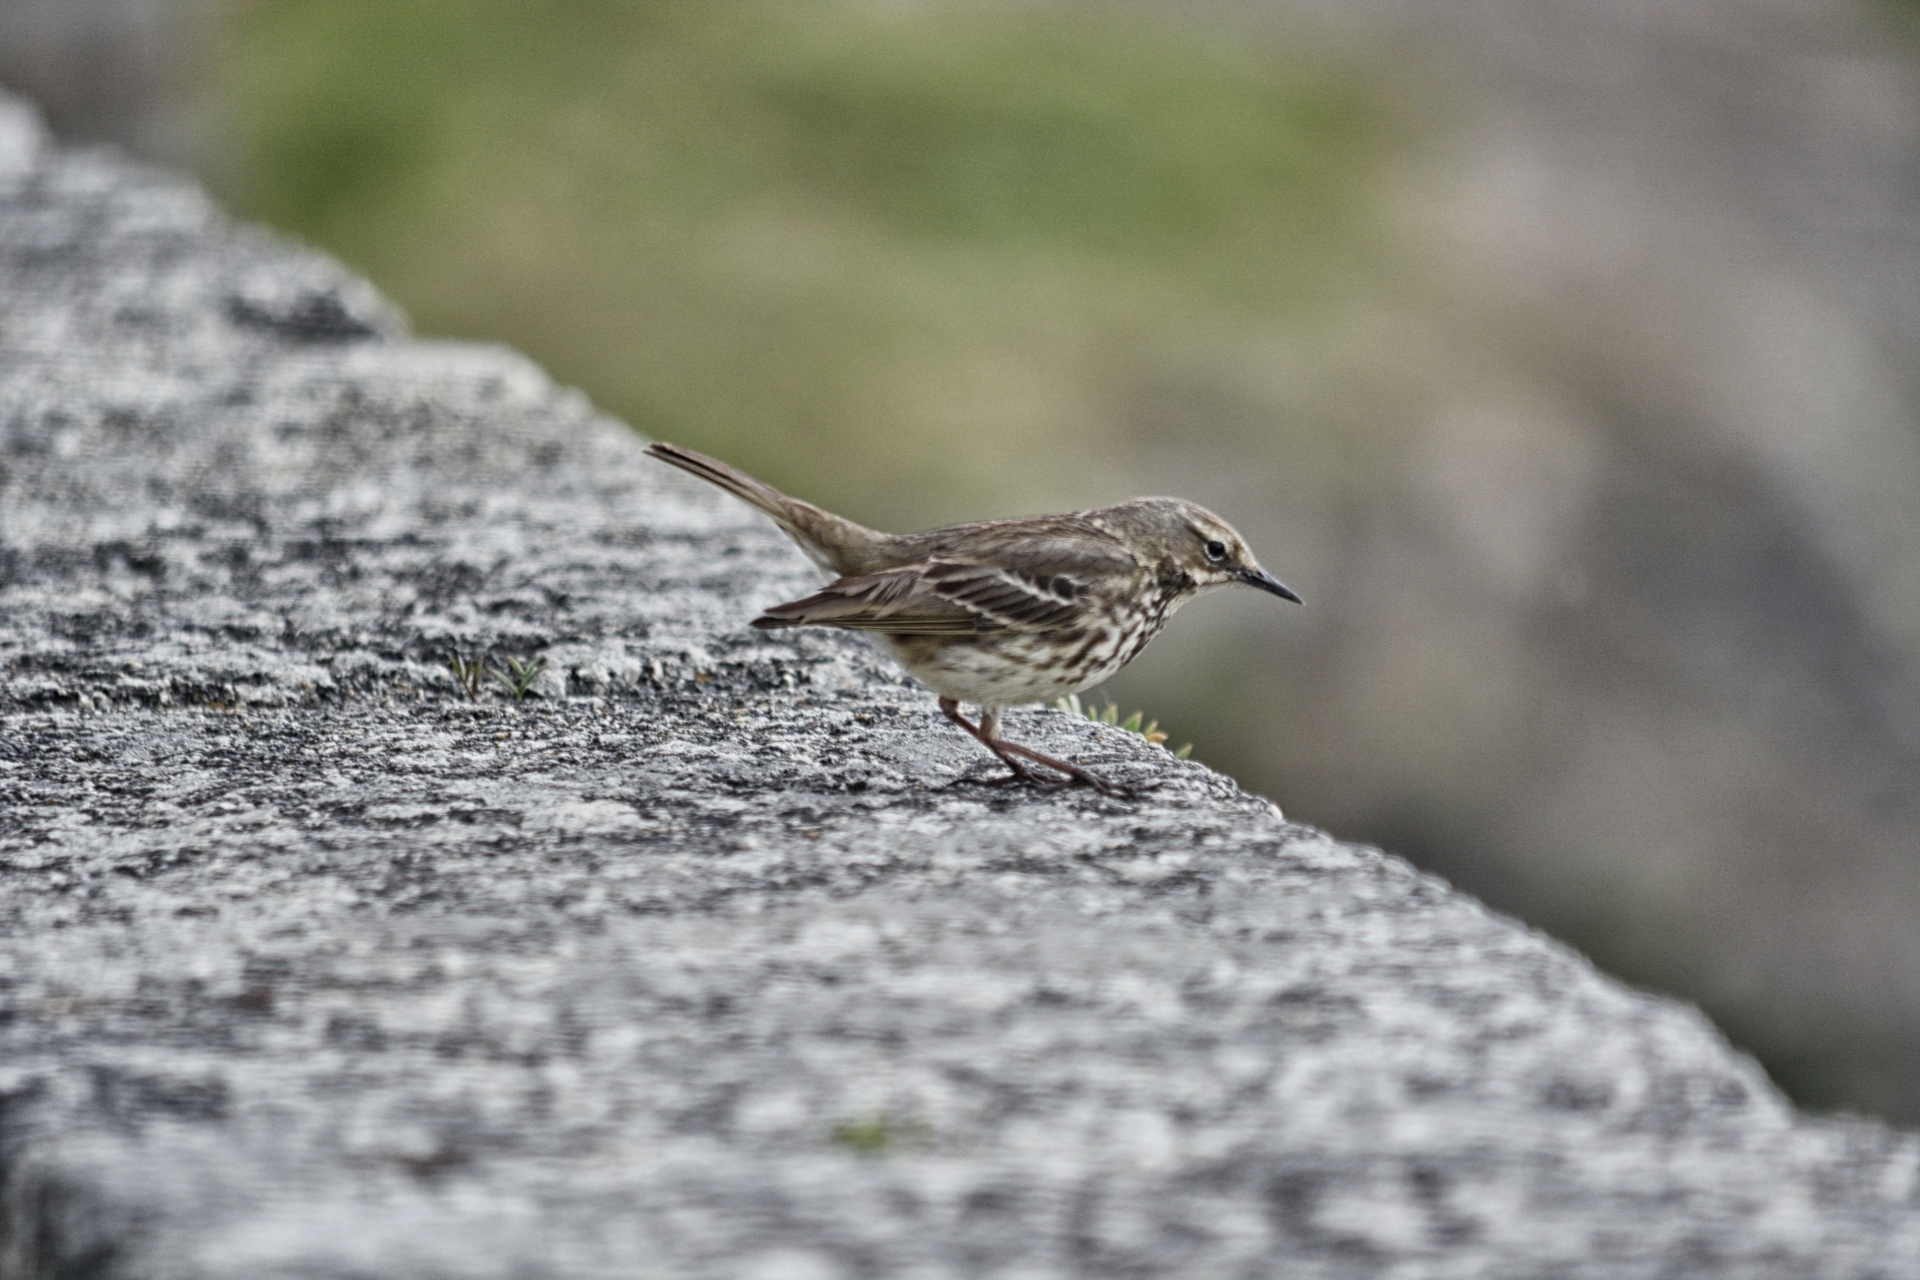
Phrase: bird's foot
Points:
(1018, 775)
(1111, 790)
(1012, 753)
(1076, 776)
(1040, 782)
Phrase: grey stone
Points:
(715, 955)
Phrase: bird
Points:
(1003, 613)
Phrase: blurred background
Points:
(1562, 353)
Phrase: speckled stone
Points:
(713, 956)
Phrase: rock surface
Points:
(712, 956)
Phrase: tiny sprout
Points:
(468, 673)
(1135, 723)
(880, 1134)
(519, 676)
(867, 1136)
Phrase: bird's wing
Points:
(892, 600)
(1033, 585)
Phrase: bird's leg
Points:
(987, 732)
(950, 708)
(990, 735)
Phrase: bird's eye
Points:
(1216, 550)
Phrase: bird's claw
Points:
(1110, 790)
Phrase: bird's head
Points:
(1191, 540)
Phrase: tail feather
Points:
(836, 544)
(732, 479)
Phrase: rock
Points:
(712, 955)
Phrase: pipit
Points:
(1006, 612)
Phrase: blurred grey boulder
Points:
(105, 69)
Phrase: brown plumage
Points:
(1006, 612)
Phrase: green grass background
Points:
(916, 261)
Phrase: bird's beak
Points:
(1267, 582)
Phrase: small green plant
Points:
(879, 1134)
(518, 677)
(1150, 729)
(867, 1136)
(468, 673)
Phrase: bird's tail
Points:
(833, 542)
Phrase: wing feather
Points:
(1043, 584)
(893, 600)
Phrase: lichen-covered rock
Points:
(713, 955)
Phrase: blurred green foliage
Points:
(912, 260)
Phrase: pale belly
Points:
(1010, 670)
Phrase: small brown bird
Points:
(1006, 612)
